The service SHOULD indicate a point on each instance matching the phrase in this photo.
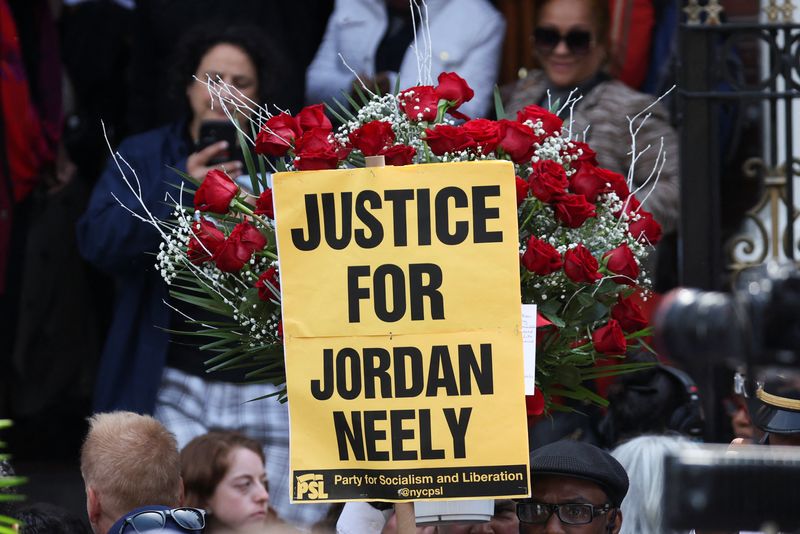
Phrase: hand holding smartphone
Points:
(212, 132)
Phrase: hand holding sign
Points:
(396, 356)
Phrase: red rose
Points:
(277, 135)
(237, 250)
(517, 140)
(581, 266)
(522, 190)
(372, 137)
(609, 339)
(446, 138)
(583, 154)
(204, 242)
(315, 151)
(486, 133)
(622, 263)
(399, 155)
(628, 314)
(542, 321)
(541, 257)
(265, 280)
(313, 117)
(589, 182)
(215, 193)
(534, 404)
(343, 150)
(264, 204)
(548, 180)
(454, 88)
(573, 210)
(551, 124)
(615, 182)
(643, 227)
(420, 103)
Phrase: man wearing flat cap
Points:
(577, 487)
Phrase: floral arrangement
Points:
(8, 525)
(583, 234)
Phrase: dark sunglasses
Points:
(546, 40)
(538, 513)
(149, 520)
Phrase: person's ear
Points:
(616, 522)
(94, 508)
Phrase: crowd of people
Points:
(106, 344)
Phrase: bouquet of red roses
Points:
(583, 235)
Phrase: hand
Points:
(391, 527)
(63, 172)
(197, 163)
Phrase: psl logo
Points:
(311, 484)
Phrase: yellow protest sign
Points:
(402, 332)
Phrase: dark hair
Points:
(601, 16)
(641, 403)
(43, 518)
(196, 43)
(206, 459)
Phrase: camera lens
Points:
(690, 323)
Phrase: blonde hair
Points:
(131, 460)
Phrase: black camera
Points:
(759, 322)
(752, 488)
(758, 325)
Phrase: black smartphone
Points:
(215, 131)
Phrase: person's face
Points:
(229, 63)
(241, 497)
(740, 420)
(562, 490)
(564, 67)
(504, 521)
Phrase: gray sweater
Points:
(605, 110)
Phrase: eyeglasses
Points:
(547, 39)
(149, 520)
(569, 513)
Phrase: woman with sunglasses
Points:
(571, 45)
(223, 473)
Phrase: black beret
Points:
(581, 460)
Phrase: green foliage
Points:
(499, 109)
(8, 525)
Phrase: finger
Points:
(230, 167)
(739, 442)
(211, 150)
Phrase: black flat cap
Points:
(581, 460)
